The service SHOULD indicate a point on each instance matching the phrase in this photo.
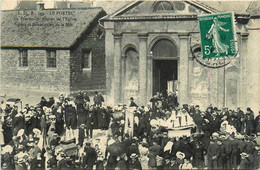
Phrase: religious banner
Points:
(217, 35)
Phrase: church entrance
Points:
(165, 66)
(164, 71)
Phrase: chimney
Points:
(40, 6)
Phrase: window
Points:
(23, 58)
(163, 6)
(87, 60)
(51, 59)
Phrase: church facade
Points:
(149, 43)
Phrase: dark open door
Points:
(163, 71)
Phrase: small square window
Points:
(87, 60)
(51, 59)
(23, 58)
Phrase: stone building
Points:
(151, 42)
(52, 51)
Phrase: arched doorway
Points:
(131, 74)
(165, 65)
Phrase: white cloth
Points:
(168, 146)
(186, 166)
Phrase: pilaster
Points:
(183, 69)
(142, 68)
(117, 67)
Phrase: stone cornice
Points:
(142, 35)
(117, 35)
(244, 35)
(183, 35)
(242, 18)
(155, 17)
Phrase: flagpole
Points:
(224, 84)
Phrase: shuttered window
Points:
(23, 58)
(51, 58)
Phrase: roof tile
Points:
(45, 29)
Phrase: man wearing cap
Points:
(133, 148)
(98, 99)
(134, 163)
(240, 117)
(89, 124)
(244, 164)
(14, 111)
(197, 151)
(249, 120)
(256, 157)
(121, 164)
(154, 101)
(70, 118)
(198, 118)
(85, 97)
(90, 157)
(132, 103)
(213, 152)
(234, 152)
(221, 153)
(43, 102)
(257, 123)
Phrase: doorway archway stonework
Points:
(164, 52)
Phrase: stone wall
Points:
(36, 78)
(94, 79)
(252, 62)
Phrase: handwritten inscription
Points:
(46, 18)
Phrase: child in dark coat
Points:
(81, 134)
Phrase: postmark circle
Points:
(211, 63)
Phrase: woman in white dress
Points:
(2, 142)
(143, 148)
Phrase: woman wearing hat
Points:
(143, 148)
(2, 142)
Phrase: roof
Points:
(14, 100)
(64, 4)
(56, 28)
(28, 5)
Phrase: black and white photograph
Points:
(130, 84)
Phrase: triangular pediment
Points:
(161, 8)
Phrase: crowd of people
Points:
(58, 134)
